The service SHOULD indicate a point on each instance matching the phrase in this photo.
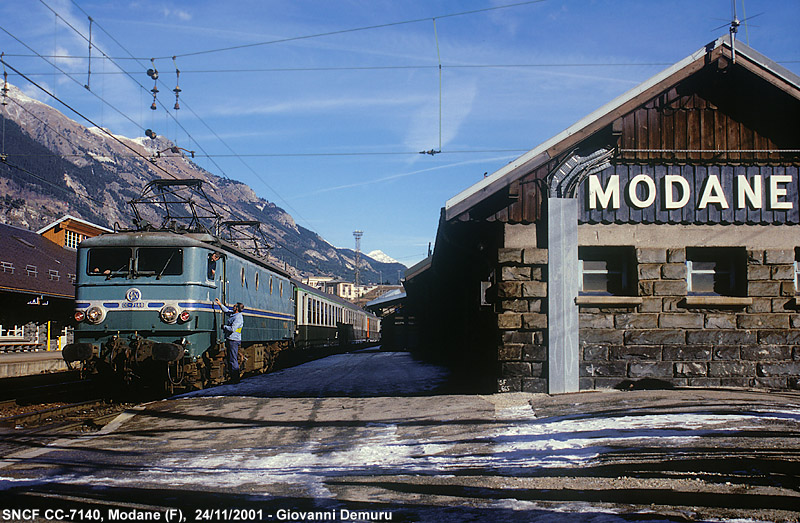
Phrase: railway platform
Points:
(15, 364)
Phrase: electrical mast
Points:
(357, 235)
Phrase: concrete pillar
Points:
(563, 276)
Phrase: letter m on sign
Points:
(608, 195)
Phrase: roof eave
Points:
(503, 177)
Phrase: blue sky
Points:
(329, 127)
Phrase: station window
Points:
(716, 271)
(31, 270)
(54, 275)
(607, 271)
(7, 267)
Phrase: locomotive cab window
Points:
(607, 271)
(716, 271)
(213, 258)
(159, 261)
(108, 261)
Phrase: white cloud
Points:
(180, 14)
(315, 105)
(404, 175)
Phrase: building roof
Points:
(418, 268)
(33, 265)
(393, 297)
(505, 176)
(68, 218)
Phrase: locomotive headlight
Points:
(95, 315)
(79, 316)
(184, 316)
(169, 314)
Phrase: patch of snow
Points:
(382, 257)
(99, 158)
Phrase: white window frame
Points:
(623, 271)
(731, 273)
(72, 239)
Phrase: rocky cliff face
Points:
(55, 166)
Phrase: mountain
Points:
(56, 166)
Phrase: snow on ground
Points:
(520, 444)
(517, 446)
(297, 454)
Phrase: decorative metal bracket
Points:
(564, 180)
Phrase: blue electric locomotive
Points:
(145, 310)
(145, 307)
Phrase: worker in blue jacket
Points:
(233, 336)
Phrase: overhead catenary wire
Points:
(301, 155)
(136, 154)
(155, 78)
(103, 130)
(26, 77)
(306, 37)
(4, 161)
(439, 59)
(357, 29)
(371, 68)
(130, 75)
(211, 157)
(206, 155)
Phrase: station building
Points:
(658, 238)
(37, 281)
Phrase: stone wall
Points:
(521, 302)
(749, 342)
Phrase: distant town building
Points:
(348, 290)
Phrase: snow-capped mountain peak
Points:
(382, 257)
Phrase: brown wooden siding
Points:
(713, 110)
(720, 108)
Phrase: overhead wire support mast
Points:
(3, 156)
(89, 72)
(434, 152)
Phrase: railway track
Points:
(53, 402)
(41, 427)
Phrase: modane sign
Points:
(691, 194)
(678, 192)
